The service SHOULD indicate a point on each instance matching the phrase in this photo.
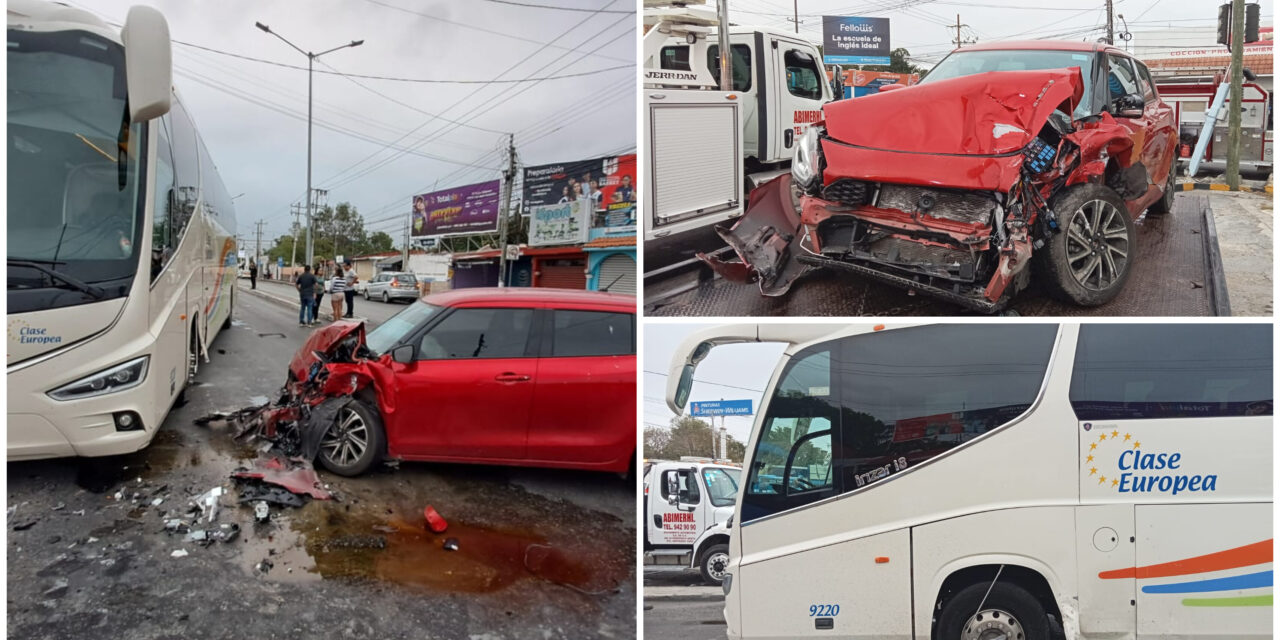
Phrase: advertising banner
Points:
(552, 224)
(469, 209)
(850, 40)
(603, 181)
(864, 83)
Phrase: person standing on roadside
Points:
(322, 287)
(352, 278)
(253, 274)
(306, 286)
(338, 287)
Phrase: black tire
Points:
(354, 442)
(1097, 253)
(1007, 607)
(1165, 204)
(713, 563)
(386, 299)
(366, 294)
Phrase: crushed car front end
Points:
(944, 189)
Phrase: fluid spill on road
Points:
(354, 546)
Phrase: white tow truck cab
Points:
(688, 506)
(993, 480)
(711, 142)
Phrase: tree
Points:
(284, 249)
(687, 436)
(380, 242)
(899, 62)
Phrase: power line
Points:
(546, 6)
(396, 79)
(498, 33)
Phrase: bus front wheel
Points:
(1007, 611)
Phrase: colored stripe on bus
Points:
(1229, 583)
(1248, 555)
(1242, 601)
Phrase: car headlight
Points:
(118, 378)
(806, 167)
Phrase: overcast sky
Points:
(252, 115)
(927, 27)
(731, 372)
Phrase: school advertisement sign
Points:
(603, 182)
(460, 210)
(852, 40)
(553, 224)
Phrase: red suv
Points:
(1003, 153)
(518, 376)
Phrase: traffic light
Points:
(1224, 24)
(1251, 14)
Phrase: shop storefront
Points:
(611, 264)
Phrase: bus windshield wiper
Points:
(75, 283)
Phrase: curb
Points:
(1206, 186)
(683, 593)
(1216, 277)
(291, 304)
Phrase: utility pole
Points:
(404, 252)
(960, 41)
(795, 6)
(1111, 24)
(1237, 94)
(257, 251)
(293, 254)
(508, 181)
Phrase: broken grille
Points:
(846, 191)
(960, 206)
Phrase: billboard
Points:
(864, 83)
(604, 181)
(552, 224)
(720, 408)
(850, 40)
(469, 209)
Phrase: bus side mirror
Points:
(148, 61)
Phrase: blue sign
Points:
(849, 40)
(721, 408)
(280, 262)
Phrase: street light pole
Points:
(311, 58)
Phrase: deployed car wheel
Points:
(1007, 612)
(354, 442)
(714, 564)
(1165, 203)
(1087, 261)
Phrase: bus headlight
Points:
(806, 166)
(117, 378)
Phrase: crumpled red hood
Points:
(322, 340)
(984, 114)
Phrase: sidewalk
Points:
(1244, 222)
(283, 293)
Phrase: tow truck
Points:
(688, 509)
(712, 137)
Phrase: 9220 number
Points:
(824, 610)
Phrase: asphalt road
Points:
(677, 619)
(542, 554)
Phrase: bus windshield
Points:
(74, 214)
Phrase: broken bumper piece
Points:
(767, 238)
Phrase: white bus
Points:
(1004, 481)
(121, 235)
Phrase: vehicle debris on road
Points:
(435, 522)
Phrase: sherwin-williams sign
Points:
(850, 40)
(554, 224)
(460, 210)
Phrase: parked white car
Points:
(392, 285)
